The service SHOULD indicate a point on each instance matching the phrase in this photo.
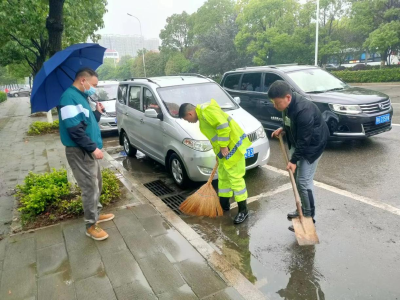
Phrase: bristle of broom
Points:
(204, 202)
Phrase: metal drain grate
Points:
(173, 202)
(158, 188)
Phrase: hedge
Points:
(379, 75)
(3, 97)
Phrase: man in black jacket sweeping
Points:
(307, 136)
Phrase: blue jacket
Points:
(78, 123)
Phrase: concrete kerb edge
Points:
(216, 261)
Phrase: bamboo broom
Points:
(204, 202)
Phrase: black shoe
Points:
(292, 215)
(242, 212)
(291, 228)
(224, 201)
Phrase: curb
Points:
(216, 261)
(373, 83)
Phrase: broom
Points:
(205, 202)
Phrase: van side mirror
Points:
(150, 113)
(160, 116)
(237, 100)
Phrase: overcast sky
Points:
(152, 14)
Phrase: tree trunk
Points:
(55, 25)
(383, 58)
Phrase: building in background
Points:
(112, 54)
(127, 44)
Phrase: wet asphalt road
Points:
(359, 253)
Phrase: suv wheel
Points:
(178, 171)
(15, 95)
(130, 151)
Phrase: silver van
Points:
(147, 119)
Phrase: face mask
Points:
(90, 92)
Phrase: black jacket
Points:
(307, 132)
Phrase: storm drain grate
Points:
(173, 202)
(158, 188)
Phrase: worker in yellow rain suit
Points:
(230, 144)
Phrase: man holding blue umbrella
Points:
(66, 80)
(81, 136)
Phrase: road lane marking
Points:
(278, 190)
(366, 200)
(395, 124)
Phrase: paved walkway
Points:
(144, 257)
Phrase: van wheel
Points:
(178, 171)
(129, 150)
(16, 95)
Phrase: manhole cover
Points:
(173, 202)
(158, 188)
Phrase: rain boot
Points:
(242, 212)
(291, 228)
(224, 201)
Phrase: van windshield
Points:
(106, 92)
(174, 96)
(316, 81)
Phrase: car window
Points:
(106, 92)
(122, 89)
(251, 82)
(174, 96)
(269, 79)
(134, 98)
(149, 101)
(232, 81)
(316, 81)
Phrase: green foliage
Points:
(41, 190)
(51, 194)
(377, 75)
(154, 65)
(111, 190)
(177, 34)
(176, 64)
(3, 97)
(38, 127)
(23, 32)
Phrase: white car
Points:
(106, 93)
(147, 118)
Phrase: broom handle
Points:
(295, 191)
(213, 173)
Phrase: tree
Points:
(124, 68)
(265, 29)
(378, 22)
(176, 64)
(211, 14)
(177, 34)
(107, 71)
(24, 35)
(154, 65)
(217, 53)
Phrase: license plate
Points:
(249, 153)
(382, 119)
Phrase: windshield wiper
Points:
(335, 89)
(315, 92)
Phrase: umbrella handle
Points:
(213, 173)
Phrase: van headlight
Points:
(260, 133)
(202, 146)
(346, 109)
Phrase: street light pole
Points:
(140, 24)
(316, 34)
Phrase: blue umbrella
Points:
(58, 73)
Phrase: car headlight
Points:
(202, 146)
(260, 133)
(346, 109)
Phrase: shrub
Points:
(3, 97)
(375, 75)
(50, 194)
(38, 127)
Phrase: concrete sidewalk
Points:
(145, 257)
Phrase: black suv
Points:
(350, 112)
